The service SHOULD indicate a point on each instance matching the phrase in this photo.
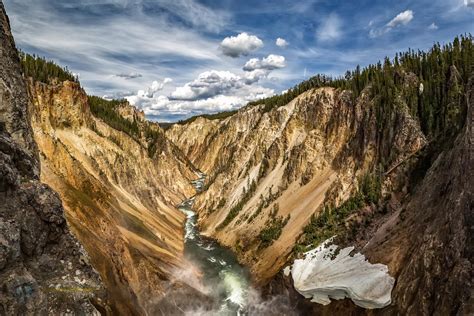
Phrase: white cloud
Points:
(211, 91)
(163, 106)
(256, 75)
(208, 84)
(154, 88)
(280, 42)
(271, 62)
(403, 18)
(330, 29)
(242, 44)
(433, 26)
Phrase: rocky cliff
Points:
(43, 268)
(424, 237)
(119, 191)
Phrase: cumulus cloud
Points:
(208, 84)
(330, 29)
(256, 75)
(242, 44)
(211, 91)
(162, 106)
(281, 42)
(271, 62)
(433, 26)
(131, 75)
(149, 92)
(403, 18)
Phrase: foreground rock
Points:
(43, 269)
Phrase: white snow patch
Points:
(321, 277)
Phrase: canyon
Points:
(297, 155)
(283, 184)
(312, 152)
(118, 200)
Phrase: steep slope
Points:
(425, 238)
(43, 269)
(119, 192)
(365, 158)
(283, 165)
(430, 249)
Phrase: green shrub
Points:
(272, 231)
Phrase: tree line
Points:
(438, 100)
(43, 70)
(106, 111)
(215, 116)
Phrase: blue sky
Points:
(178, 58)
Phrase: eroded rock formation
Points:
(43, 268)
(119, 196)
(292, 160)
(425, 240)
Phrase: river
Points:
(227, 280)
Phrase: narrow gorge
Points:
(338, 197)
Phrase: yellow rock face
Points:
(299, 155)
(119, 202)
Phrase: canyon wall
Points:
(43, 268)
(119, 192)
(283, 165)
(424, 237)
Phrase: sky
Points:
(178, 58)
